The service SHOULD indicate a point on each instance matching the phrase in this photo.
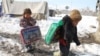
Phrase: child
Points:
(69, 31)
(27, 21)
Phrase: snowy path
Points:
(11, 26)
(10, 47)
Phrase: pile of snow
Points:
(86, 49)
(9, 25)
(9, 42)
(87, 25)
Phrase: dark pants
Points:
(64, 49)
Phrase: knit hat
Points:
(75, 15)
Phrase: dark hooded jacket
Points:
(69, 32)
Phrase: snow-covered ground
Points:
(86, 49)
(3, 53)
(87, 25)
(8, 45)
(9, 25)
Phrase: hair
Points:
(75, 15)
(27, 11)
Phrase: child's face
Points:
(27, 16)
(75, 23)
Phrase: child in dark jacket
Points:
(69, 32)
(27, 21)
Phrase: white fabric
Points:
(17, 7)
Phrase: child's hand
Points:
(79, 46)
(33, 23)
(23, 24)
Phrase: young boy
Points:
(27, 21)
(69, 32)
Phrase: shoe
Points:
(30, 49)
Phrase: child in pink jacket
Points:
(27, 21)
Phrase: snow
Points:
(6, 42)
(7, 45)
(84, 29)
(9, 25)
(87, 25)
(83, 50)
(2, 53)
(86, 49)
(45, 24)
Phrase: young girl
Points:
(27, 21)
(69, 32)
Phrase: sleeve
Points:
(64, 19)
(66, 31)
(76, 40)
(33, 22)
(23, 23)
